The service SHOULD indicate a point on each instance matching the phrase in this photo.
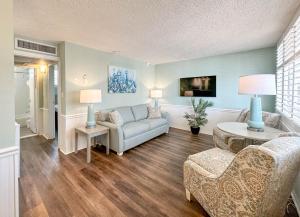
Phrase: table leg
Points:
(76, 142)
(107, 143)
(88, 160)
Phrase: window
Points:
(288, 73)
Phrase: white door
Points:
(32, 90)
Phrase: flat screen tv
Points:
(204, 86)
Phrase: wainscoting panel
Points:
(175, 116)
(69, 123)
(9, 171)
(214, 116)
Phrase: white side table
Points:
(240, 129)
(90, 134)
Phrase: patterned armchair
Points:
(256, 182)
(233, 143)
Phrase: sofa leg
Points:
(188, 195)
(119, 153)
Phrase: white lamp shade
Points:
(258, 84)
(156, 93)
(90, 96)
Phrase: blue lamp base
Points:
(156, 104)
(256, 123)
(90, 123)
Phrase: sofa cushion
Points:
(126, 114)
(154, 113)
(135, 128)
(140, 112)
(116, 118)
(154, 123)
(214, 160)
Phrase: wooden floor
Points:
(145, 181)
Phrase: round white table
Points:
(240, 129)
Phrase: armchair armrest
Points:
(193, 171)
(115, 136)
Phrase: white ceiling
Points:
(157, 31)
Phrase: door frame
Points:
(55, 60)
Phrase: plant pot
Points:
(195, 130)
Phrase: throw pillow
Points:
(103, 116)
(242, 115)
(116, 118)
(153, 113)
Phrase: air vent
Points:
(35, 47)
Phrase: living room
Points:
(160, 108)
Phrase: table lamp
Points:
(257, 84)
(156, 94)
(90, 97)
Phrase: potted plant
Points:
(198, 117)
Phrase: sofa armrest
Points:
(290, 134)
(115, 136)
(164, 114)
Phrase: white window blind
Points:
(288, 73)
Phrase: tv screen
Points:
(204, 86)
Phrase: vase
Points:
(195, 130)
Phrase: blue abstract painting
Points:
(121, 80)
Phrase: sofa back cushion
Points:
(125, 113)
(140, 112)
(116, 118)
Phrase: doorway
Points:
(36, 97)
(25, 100)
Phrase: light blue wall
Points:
(228, 68)
(7, 90)
(78, 60)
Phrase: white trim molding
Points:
(9, 189)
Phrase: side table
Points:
(90, 134)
